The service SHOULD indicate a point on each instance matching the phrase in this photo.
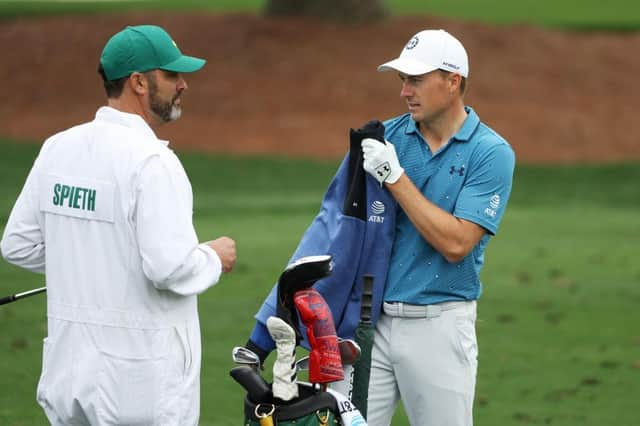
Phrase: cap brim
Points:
(406, 66)
(184, 64)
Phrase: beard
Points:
(166, 110)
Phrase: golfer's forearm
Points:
(443, 231)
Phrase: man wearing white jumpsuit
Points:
(106, 214)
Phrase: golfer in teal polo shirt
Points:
(451, 175)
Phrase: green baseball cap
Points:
(144, 48)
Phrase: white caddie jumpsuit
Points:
(106, 214)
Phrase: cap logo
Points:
(412, 43)
(450, 65)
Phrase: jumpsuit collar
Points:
(134, 121)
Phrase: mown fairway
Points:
(557, 334)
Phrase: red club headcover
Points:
(325, 364)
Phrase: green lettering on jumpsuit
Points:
(76, 197)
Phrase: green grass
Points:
(583, 14)
(557, 328)
(580, 14)
(14, 8)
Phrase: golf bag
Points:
(298, 303)
(310, 408)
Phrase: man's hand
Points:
(381, 161)
(225, 247)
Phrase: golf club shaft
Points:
(18, 296)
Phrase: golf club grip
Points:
(367, 295)
(257, 388)
(7, 299)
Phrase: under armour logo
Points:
(384, 170)
(460, 171)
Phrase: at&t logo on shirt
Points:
(494, 203)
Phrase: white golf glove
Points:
(285, 385)
(381, 161)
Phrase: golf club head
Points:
(298, 275)
(258, 390)
(244, 356)
(304, 272)
(349, 351)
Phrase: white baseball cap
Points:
(430, 50)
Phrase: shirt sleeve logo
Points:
(494, 204)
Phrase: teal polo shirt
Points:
(469, 177)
